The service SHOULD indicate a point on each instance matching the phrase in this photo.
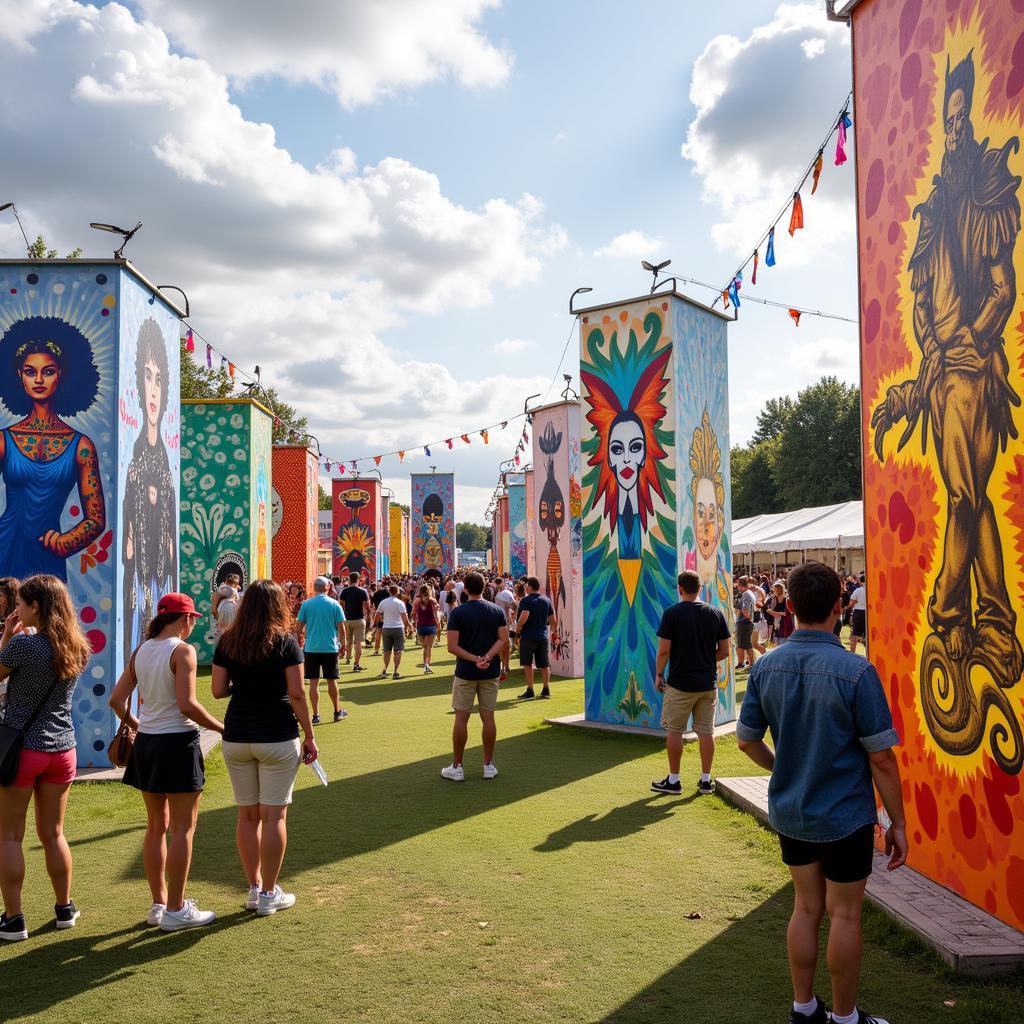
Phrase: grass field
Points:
(556, 892)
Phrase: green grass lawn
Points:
(556, 892)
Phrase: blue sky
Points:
(388, 210)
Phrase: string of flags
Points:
(730, 294)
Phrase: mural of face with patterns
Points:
(707, 489)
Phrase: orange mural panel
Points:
(939, 90)
(294, 511)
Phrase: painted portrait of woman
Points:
(47, 372)
(149, 551)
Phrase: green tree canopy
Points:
(40, 250)
(472, 537)
(772, 419)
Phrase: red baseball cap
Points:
(176, 604)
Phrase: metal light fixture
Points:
(579, 291)
(127, 235)
(655, 269)
(164, 287)
(14, 210)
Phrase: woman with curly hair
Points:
(42, 459)
(42, 667)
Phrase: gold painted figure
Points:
(963, 279)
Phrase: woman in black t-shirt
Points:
(258, 664)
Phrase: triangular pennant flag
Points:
(231, 370)
(818, 161)
(795, 314)
(376, 460)
(465, 437)
(190, 342)
(426, 450)
(725, 299)
(355, 469)
(753, 276)
(844, 123)
(504, 424)
(517, 458)
(483, 434)
(769, 256)
(734, 290)
(796, 218)
(209, 357)
(401, 456)
(328, 465)
(448, 441)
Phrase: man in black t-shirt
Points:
(379, 595)
(692, 639)
(536, 614)
(477, 632)
(356, 603)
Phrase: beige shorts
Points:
(263, 773)
(355, 630)
(465, 691)
(678, 705)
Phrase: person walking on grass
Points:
(322, 634)
(833, 734)
(42, 653)
(355, 602)
(166, 763)
(379, 596)
(693, 638)
(536, 616)
(745, 623)
(859, 617)
(258, 665)
(477, 632)
(425, 611)
(393, 622)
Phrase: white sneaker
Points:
(190, 916)
(271, 903)
(429, 671)
(156, 913)
(253, 899)
(490, 771)
(454, 772)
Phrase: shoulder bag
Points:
(12, 739)
(120, 747)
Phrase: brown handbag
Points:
(120, 747)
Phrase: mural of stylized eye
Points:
(616, 448)
(543, 509)
(558, 508)
(636, 446)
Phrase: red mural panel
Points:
(939, 92)
(355, 513)
(294, 507)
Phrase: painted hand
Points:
(53, 541)
(963, 354)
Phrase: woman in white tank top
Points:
(166, 762)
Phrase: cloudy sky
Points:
(386, 205)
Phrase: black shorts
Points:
(859, 623)
(744, 634)
(166, 762)
(316, 662)
(843, 860)
(533, 650)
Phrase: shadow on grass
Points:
(618, 823)
(39, 977)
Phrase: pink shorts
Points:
(35, 766)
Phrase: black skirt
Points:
(169, 762)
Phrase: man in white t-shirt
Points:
(393, 619)
(506, 601)
(457, 587)
(859, 618)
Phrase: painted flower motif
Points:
(206, 482)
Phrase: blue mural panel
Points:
(432, 547)
(517, 526)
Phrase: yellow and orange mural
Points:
(939, 109)
(293, 514)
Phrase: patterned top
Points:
(31, 660)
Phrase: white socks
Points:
(848, 1019)
(807, 1009)
(706, 777)
(672, 778)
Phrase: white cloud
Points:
(763, 104)
(513, 345)
(356, 50)
(632, 245)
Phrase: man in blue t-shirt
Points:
(536, 614)
(833, 737)
(322, 634)
(477, 631)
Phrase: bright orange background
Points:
(295, 544)
(966, 816)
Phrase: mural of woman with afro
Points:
(149, 550)
(46, 372)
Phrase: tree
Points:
(471, 537)
(40, 250)
(323, 499)
(754, 491)
(772, 419)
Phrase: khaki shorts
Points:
(465, 691)
(355, 630)
(678, 705)
(262, 773)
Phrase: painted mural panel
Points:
(504, 541)
(940, 105)
(531, 525)
(58, 327)
(432, 543)
(557, 524)
(385, 535)
(293, 514)
(262, 426)
(217, 488)
(356, 518)
(517, 525)
(397, 545)
(628, 505)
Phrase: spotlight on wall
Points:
(127, 235)
(14, 210)
(579, 291)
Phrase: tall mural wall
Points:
(639, 418)
(558, 528)
(504, 541)
(71, 341)
(531, 524)
(517, 525)
(432, 541)
(355, 510)
(398, 540)
(226, 473)
(294, 509)
(385, 536)
(939, 115)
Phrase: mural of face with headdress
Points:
(551, 517)
(47, 372)
(707, 490)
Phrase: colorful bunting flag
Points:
(844, 122)
(209, 357)
(401, 456)
(190, 343)
(796, 218)
(465, 437)
(426, 450)
(734, 289)
(328, 465)
(231, 370)
(448, 441)
(725, 299)
(818, 161)
(483, 434)
(504, 424)
(753, 276)
(769, 256)
(376, 460)
(795, 314)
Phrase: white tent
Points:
(829, 529)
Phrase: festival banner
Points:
(294, 508)
(531, 525)
(433, 524)
(517, 524)
(355, 518)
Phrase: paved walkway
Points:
(968, 938)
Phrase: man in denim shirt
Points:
(833, 735)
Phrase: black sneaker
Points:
(397, 675)
(706, 788)
(820, 1015)
(358, 668)
(862, 1017)
(664, 786)
(340, 715)
(316, 719)
(526, 695)
(12, 929)
(66, 916)
(545, 695)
